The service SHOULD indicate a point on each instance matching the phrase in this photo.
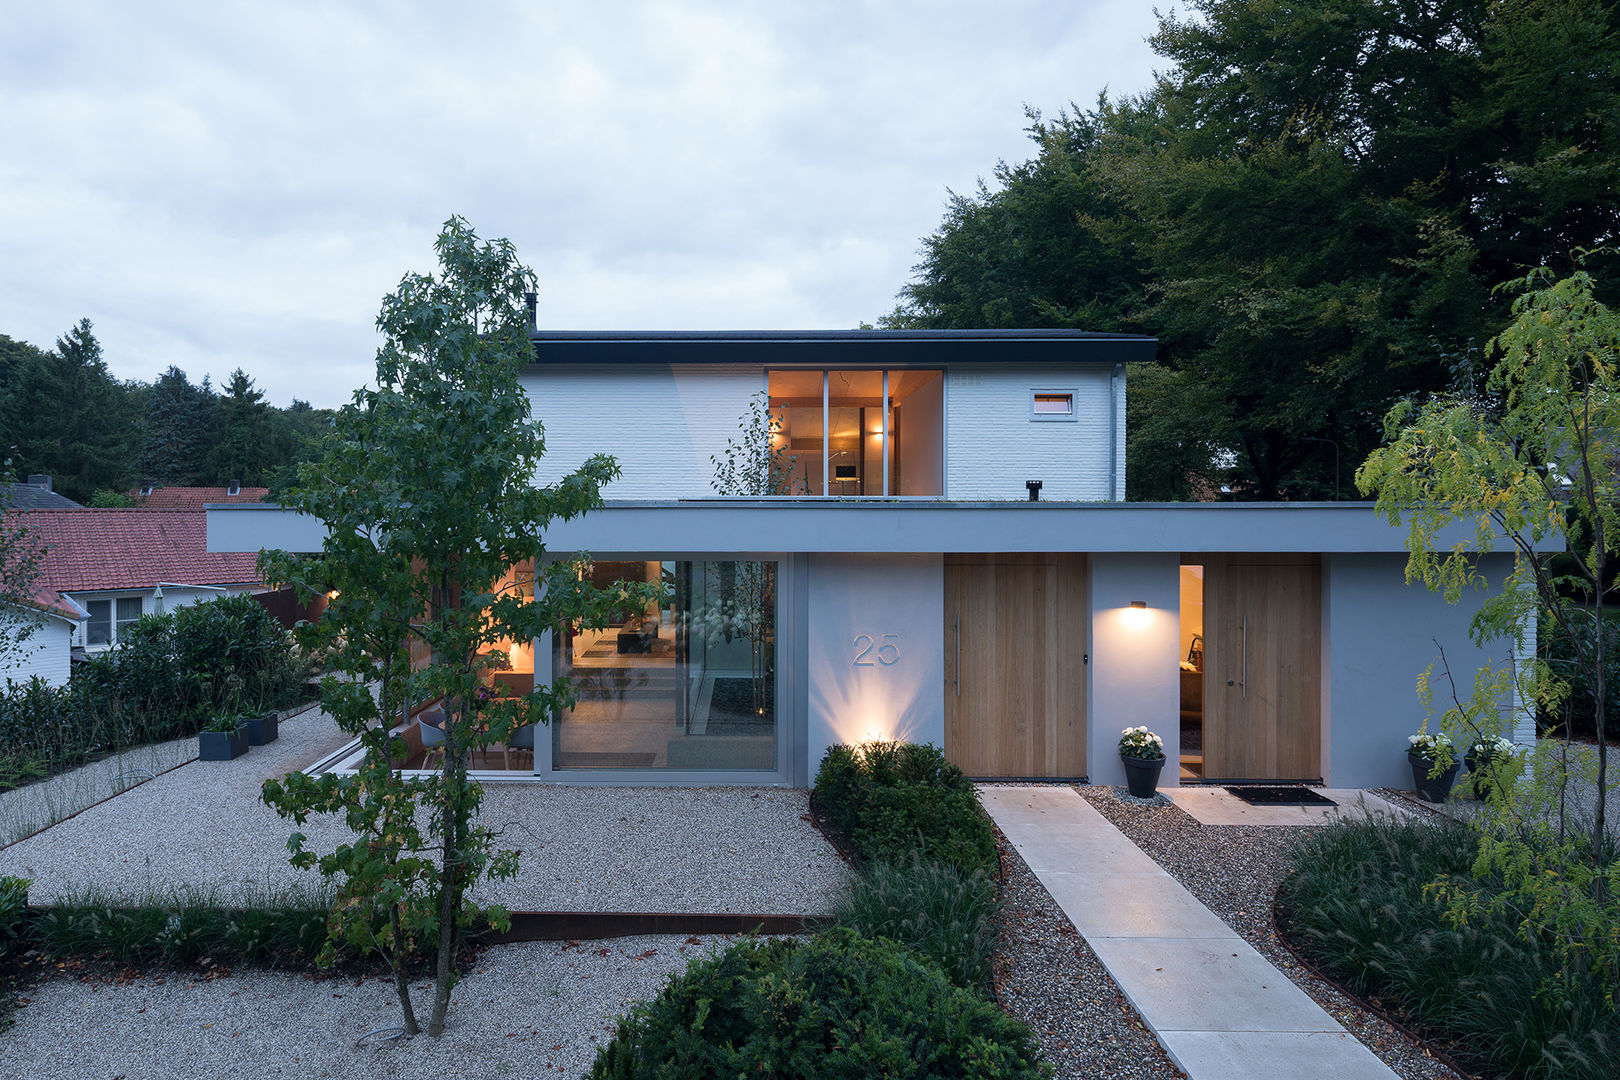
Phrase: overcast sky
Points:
(222, 185)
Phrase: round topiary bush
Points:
(837, 1005)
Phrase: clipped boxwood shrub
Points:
(887, 800)
(837, 1005)
(944, 913)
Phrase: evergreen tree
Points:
(179, 422)
(247, 442)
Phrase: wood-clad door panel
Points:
(1015, 630)
(1263, 650)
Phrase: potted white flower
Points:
(1143, 755)
(1434, 764)
(1484, 760)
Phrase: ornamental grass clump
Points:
(1140, 743)
(837, 1005)
(885, 800)
(1363, 903)
(944, 913)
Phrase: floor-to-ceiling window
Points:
(685, 683)
(861, 431)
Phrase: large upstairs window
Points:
(861, 431)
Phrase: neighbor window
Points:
(861, 431)
(109, 618)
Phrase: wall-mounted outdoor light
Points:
(1140, 605)
(1034, 487)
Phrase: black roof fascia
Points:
(839, 348)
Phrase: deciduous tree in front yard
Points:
(426, 487)
(1536, 456)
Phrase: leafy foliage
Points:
(757, 462)
(1360, 904)
(21, 556)
(1520, 467)
(164, 679)
(942, 912)
(892, 799)
(425, 488)
(838, 1005)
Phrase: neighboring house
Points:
(48, 651)
(116, 565)
(36, 494)
(194, 498)
(915, 586)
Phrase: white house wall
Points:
(874, 636)
(663, 423)
(47, 654)
(993, 446)
(1134, 673)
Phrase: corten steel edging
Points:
(583, 925)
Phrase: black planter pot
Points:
(263, 729)
(1432, 789)
(1479, 775)
(1142, 775)
(222, 745)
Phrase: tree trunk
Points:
(1599, 692)
(402, 979)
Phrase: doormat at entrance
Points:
(1283, 795)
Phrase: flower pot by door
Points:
(1142, 776)
(1432, 789)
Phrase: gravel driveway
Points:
(203, 827)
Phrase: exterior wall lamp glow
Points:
(1139, 605)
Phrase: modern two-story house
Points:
(953, 562)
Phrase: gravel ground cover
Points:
(1048, 977)
(203, 827)
(1234, 871)
(526, 1010)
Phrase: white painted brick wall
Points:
(45, 654)
(992, 445)
(661, 422)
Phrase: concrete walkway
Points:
(1220, 1009)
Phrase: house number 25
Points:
(881, 650)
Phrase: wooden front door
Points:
(1015, 683)
(1263, 667)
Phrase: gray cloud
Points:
(224, 185)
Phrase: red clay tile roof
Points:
(131, 549)
(195, 498)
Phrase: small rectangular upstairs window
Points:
(1051, 405)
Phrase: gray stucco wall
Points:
(1134, 653)
(864, 612)
(1380, 635)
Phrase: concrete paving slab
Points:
(1033, 805)
(1059, 847)
(1272, 1055)
(1208, 984)
(1217, 806)
(1132, 906)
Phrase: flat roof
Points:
(834, 348)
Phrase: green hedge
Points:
(943, 913)
(167, 675)
(887, 800)
(1358, 905)
(837, 1005)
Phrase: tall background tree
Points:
(1310, 209)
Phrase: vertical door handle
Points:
(1245, 657)
(958, 655)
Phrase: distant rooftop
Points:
(194, 498)
(838, 347)
(93, 550)
(35, 494)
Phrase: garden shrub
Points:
(889, 799)
(1360, 903)
(942, 912)
(13, 908)
(837, 1005)
(166, 676)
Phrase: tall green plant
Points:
(426, 492)
(21, 555)
(1528, 462)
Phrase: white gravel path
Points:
(202, 827)
(526, 1010)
